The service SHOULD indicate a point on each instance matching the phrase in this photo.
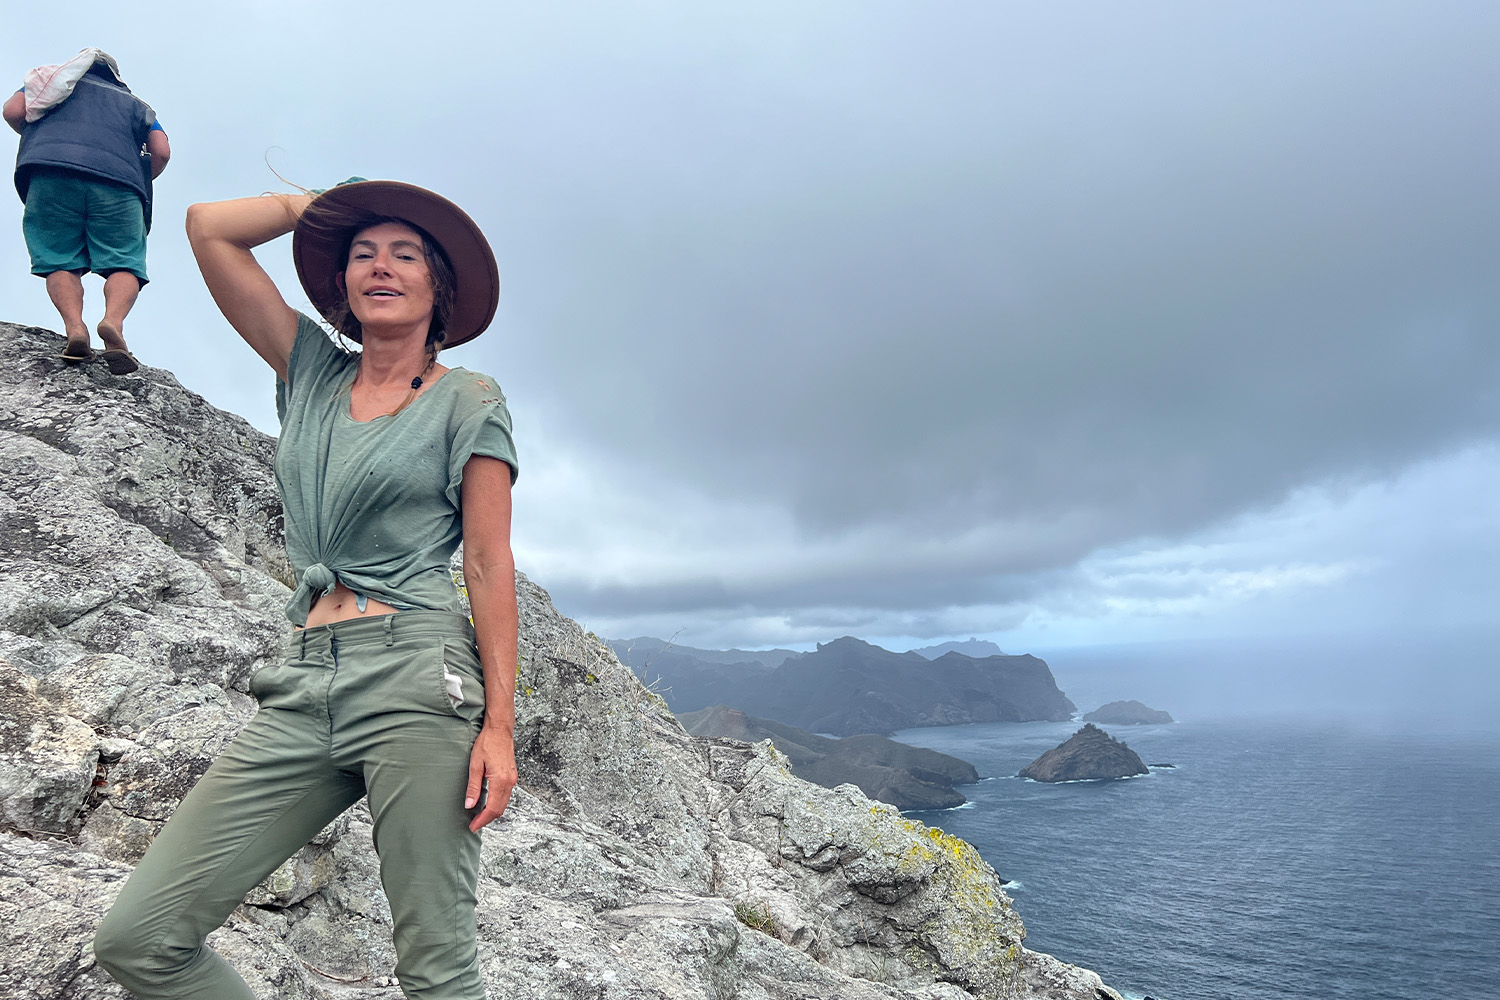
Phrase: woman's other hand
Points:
(492, 775)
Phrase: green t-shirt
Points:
(375, 504)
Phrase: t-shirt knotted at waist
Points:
(375, 504)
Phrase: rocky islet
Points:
(1128, 713)
(1090, 754)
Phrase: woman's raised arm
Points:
(222, 234)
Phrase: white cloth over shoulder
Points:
(49, 86)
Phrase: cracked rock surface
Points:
(142, 581)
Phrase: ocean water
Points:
(1277, 859)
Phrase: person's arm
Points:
(160, 150)
(15, 111)
(222, 234)
(490, 576)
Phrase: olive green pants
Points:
(387, 707)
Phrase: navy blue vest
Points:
(100, 131)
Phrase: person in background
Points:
(89, 152)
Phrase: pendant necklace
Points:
(416, 384)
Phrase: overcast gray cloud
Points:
(908, 320)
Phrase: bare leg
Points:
(120, 291)
(65, 289)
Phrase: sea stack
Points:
(1127, 713)
(1088, 755)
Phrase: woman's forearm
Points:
(492, 598)
(490, 576)
(245, 222)
(222, 235)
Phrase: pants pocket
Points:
(286, 685)
(266, 681)
(462, 680)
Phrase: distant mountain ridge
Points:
(644, 649)
(977, 648)
(848, 686)
(691, 679)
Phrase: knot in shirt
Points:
(320, 578)
(317, 580)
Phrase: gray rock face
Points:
(1127, 713)
(1088, 755)
(905, 776)
(141, 583)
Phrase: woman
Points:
(386, 458)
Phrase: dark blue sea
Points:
(1277, 859)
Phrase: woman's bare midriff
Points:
(339, 606)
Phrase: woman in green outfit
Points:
(386, 461)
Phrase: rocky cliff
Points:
(1090, 754)
(141, 584)
(905, 776)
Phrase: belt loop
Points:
(390, 634)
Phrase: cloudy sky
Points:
(1064, 325)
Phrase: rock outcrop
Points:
(1127, 713)
(1088, 755)
(141, 584)
(905, 776)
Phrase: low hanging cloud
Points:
(872, 318)
(892, 361)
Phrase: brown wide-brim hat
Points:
(321, 242)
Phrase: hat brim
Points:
(322, 236)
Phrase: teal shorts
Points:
(78, 223)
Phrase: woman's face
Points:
(387, 279)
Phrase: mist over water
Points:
(1422, 680)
